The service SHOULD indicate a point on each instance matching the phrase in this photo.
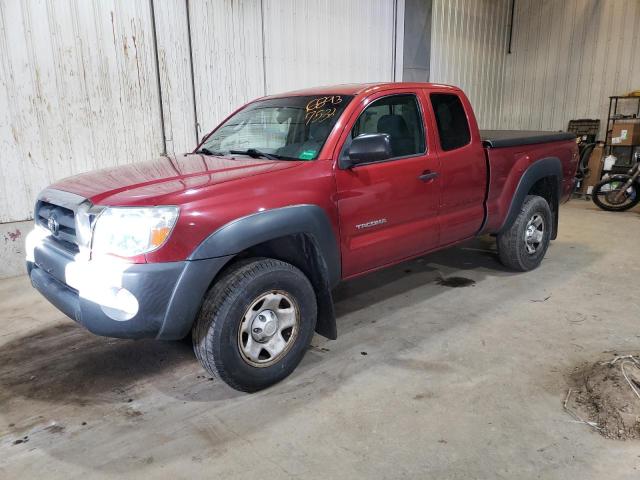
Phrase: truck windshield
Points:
(288, 128)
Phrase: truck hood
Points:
(146, 182)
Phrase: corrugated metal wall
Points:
(337, 41)
(469, 50)
(80, 87)
(77, 92)
(176, 87)
(227, 57)
(568, 58)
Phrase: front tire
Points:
(255, 324)
(523, 245)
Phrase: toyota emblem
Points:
(53, 225)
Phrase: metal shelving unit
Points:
(613, 115)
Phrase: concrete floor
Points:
(424, 380)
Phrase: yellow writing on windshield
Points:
(321, 108)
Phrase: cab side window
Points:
(399, 117)
(453, 127)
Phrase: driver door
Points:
(388, 209)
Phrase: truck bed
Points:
(513, 138)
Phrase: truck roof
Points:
(359, 88)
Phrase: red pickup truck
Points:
(241, 242)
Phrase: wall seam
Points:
(193, 78)
(155, 54)
(264, 54)
(394, 39)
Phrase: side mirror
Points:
(368, 147)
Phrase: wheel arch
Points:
(301, 235)
(542, 178)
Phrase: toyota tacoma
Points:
(240, 242)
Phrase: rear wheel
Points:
(523, 245)
(255, 324)
(609, 194)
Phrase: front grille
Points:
(60, 221)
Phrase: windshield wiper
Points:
(206, 151)
(254, 153)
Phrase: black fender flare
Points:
(308, 220)
(545, 167)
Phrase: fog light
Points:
(121, 305)
(34, 239)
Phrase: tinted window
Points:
(399, 117)
(452, 121)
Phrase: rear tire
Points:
(523, 245)
(255, 324)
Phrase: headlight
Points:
(131, 231)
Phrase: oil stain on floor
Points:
(455, 282)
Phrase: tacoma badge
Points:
(372, 223)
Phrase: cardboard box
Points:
(626, 132)
(596, 162)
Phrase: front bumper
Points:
(159, 300)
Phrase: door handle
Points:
(428, 175)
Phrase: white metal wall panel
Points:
(172, 33)
(77, 92)
(568, 58)
(468, 50)
(226, 37)
(329, 41)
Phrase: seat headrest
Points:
(393, 125)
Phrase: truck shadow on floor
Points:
(66, 364)
(462, 266)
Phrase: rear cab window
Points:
(451, 119)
